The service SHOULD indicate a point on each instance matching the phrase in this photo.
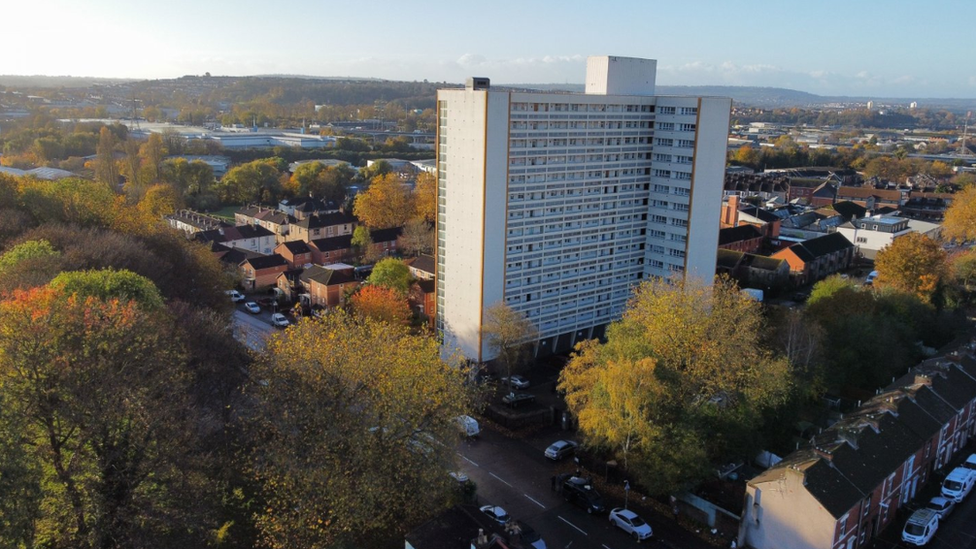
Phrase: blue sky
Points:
(890, 48)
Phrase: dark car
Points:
(580, 492)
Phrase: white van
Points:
(958, 484)
(921, 526)
(469, 426)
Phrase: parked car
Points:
(870, 278)
(514, 399)
(469, 426)
(496, 513)
(236, 296)
(970, 462)
(921, 526)
(252, 308)
(278, 320)
(629, 522)
(958, 484)
(942, 506)
(560, 449)
(459, 476)
(516, 381)
(580, 492)
(528, 536)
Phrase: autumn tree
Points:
(960, 216)
(354, 427)
(912, 263)
(151, 155)
(508, 334)
(392, 273)
(100, 392)
(255, 181)
(417, 238)
(106, 170)
(386, 203)
(425, 197)
(382, 304)
(160, 200)
(685, 378)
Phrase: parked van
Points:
(958, 484)
(921, 526)
(469, 426)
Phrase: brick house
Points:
(324, 287)
(385, 241)
(246, 237)
(848, 483)
(261, 272)
(422, 267)
(734, 214)
(815, 259)
(326, 251)
(744, 238)
(753, 271)
(423, 299)
(322, 225)
(276, 221)
(296, 252)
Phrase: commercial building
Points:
(557, 204)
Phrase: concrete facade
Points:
(557, 204)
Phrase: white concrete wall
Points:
(613, 75)
(788, 517)
(707, 184)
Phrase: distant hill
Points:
(754, 96)
(39, 81)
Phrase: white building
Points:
(873, 234)
(558, 204)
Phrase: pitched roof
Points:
(424, 263)
(266, 262)
(846, 462)
(810, 250)
(759, 213)
(333, 243)
(727, 259)
(230, 234)
(331, 219)
(866, 192)
(849, 209)
(764, 263)
(735, 234)
(427, 286)
(297, 247)
(385, 235)
(326, 276)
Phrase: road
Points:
(515, 475)
(958, 530)
(252, 330)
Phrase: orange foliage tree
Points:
(382, 304)
(913, 263)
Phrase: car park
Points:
(958, 484)
(496, 513)
(942, 506)
(560, 449)
(629, 522)
(252, 308)
(921, 526)
(516, 381)
(279, 321)
(580, 492)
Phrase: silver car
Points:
(560, 449)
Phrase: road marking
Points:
(573, 525)
(605, 545)
(537, 503)
(501, 480)
(468, 460)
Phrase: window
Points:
(689, 110)
(665, 110)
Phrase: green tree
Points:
(109, 284)
(353, 416)
(695, 382)
(99, 389)
(913, 263)
(256, 181)
(392, 273)
(326, 182)
(27, 251)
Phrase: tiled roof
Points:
(809, 250)
(734, 234)
(317, 221)
(297, 247)
(266, 262)
(333, 243)
(326, 276)
(424, 263)
(385, 235)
